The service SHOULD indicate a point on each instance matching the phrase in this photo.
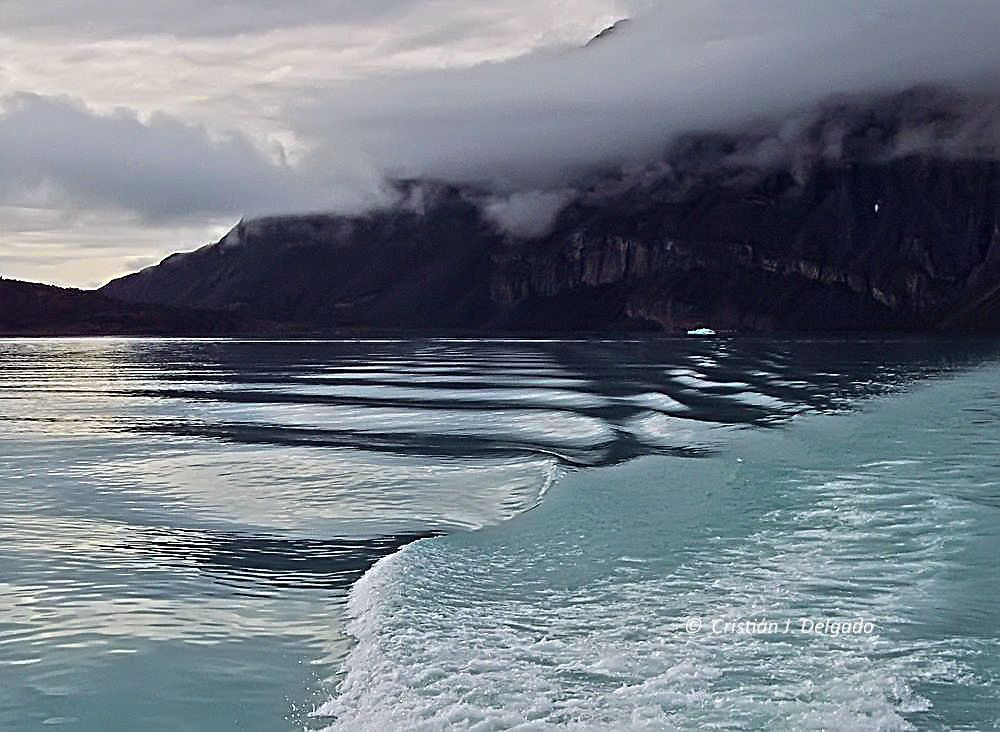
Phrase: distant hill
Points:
(29, 308)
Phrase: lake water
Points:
(434, 534)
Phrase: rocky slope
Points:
(844, 224)
(398, 269)
(913, 244)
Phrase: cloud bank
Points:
(223, 18)
(541, 120)
(56, 151)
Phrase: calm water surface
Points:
(210, 535)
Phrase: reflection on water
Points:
(181, 520)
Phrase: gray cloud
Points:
(525, 213)
(531, 124)
(440, 20)
(88, 186)
(55, 151)
(115, 18)
(540, 120)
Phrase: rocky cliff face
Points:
(844, 225)
(910, 244)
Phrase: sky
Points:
(131, 129)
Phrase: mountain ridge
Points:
(865, 214)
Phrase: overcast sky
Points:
(130, 129)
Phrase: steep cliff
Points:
(846, 224)
(911, 244)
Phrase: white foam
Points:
(490, 632)
(435, 650)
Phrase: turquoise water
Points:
(432, 534)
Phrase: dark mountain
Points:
(398, 269)
(28, 308)
(872, 214)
